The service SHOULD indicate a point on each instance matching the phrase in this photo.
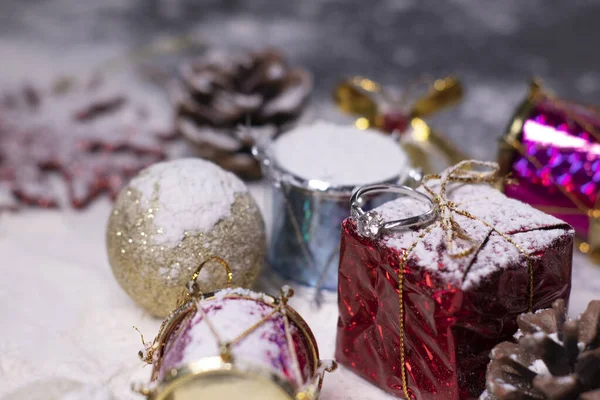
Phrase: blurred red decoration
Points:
(91, 135)
(395, 121)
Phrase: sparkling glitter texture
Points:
(154, 275)
(556, 162)
(449, 329)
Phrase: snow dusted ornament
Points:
(221, 93)
(89, 132)
(234, 344)
(174, 215)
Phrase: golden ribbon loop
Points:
(443, 92)
(192, 288)
(466, 172)
(363, 97)
(356, 96)
(462, 172)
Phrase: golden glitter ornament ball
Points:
(170, 218)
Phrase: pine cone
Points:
(222, 93)
(555, 358)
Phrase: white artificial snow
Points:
(508, 387)
(191, 195)
(565, 380)
(275, 71)
(554, 337)
(288, 100)
(77, 325)
(43, 68)
(340, 154)
(89, 392)
(518, 335)
(539, 367)
(220, 295)
(140, 123)
(531, 229)
(141, 111)
(208, 136)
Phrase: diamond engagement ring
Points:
(370, 224)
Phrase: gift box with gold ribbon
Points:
(552, 150)
(421, 308)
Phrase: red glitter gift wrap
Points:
(454, 309)
(552, 150)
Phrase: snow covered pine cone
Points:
(228, 100)
(555, 357)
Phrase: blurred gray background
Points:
(493, 46)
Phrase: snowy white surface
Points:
(67, 323)
(190, 195)
(487, 204)
(340, 154)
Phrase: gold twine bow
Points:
(466, 172)
(447, 208)
(512, 142)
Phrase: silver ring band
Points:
(370, 224)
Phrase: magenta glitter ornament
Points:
(234, 343)
(552, 150)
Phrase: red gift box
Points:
(454, 307)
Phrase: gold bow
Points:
(468, 172)
(358, 95)
(366, 99)
(461, 173)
